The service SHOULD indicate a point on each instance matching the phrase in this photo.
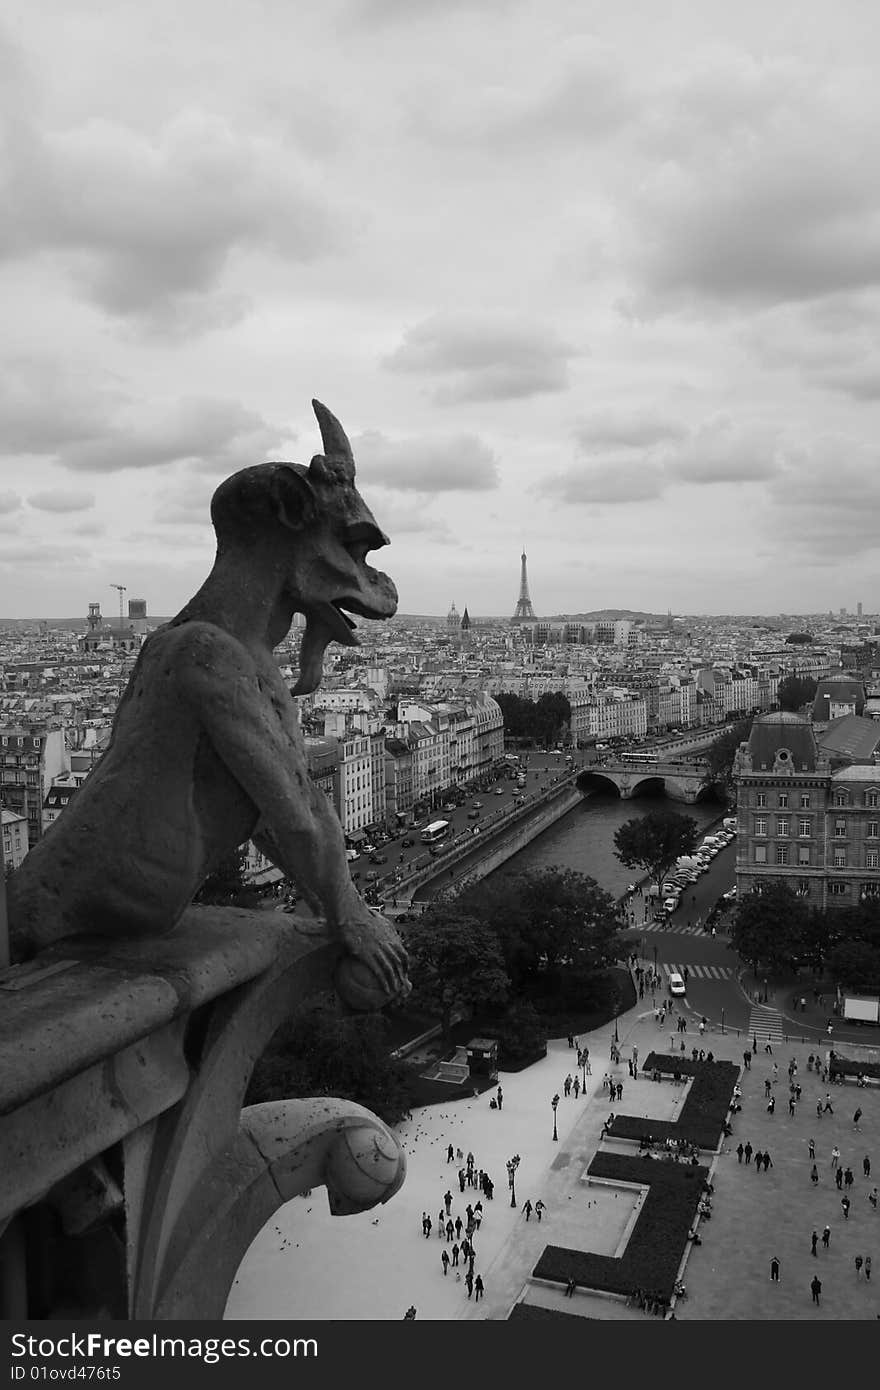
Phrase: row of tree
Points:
(544, 721)
(775, 931)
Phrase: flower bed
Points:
(704, 1111)
(844, 1066)
(653, 1253)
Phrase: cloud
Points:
(45, 404)
(826, 500)
(148, 224)
(89, 528)
(860, 383)
(488, 356)
(59, 500)
(764, 193)
(613, 480)
(724, 451)
(632, 429)
(9, 502)
(462, 463)
(218, 436)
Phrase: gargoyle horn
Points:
(337, 449)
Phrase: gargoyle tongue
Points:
(324, 624)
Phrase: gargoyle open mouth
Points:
(328, 621)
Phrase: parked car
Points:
(351, 854)
(499, 791)
(670, 904)
(477, 805)
(473, 815)
(378, 858)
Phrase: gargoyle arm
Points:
(242, 717)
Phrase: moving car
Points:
(676, 983)
(473, 815)
(407, 842)
(670, 904)
(477, 805)
(499, 791)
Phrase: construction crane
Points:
(122, 590)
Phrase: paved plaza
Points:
(306, 1264)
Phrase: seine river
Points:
(584, 839)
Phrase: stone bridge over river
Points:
(680, 780)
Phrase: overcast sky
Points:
(602, 280)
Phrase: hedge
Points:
(653, 1253)
(704, 1111)
(844, 1066)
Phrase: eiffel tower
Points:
(525, 613)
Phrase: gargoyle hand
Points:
(370, 937)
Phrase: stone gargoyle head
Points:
(317, 527)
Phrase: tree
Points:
(455, 962)
(544, 722)
(795, 691)
(546, 920)
(799, 639)
(771, 929)
(655, 841)
(721, 753)
(323, 1050)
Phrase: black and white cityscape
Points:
(508, 922)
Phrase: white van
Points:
(676, 983)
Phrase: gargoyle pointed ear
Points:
(337, 450)
(293, 497)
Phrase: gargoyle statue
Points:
(206, 749)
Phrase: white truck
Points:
(861, 1008)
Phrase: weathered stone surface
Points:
(206, 749)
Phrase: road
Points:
(540, 769)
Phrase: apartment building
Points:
(15, 838)
(808, 808)
(31, 758)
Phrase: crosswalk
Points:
(669, 928)
(702, 972)
(765, 1024)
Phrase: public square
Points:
(306, 1264)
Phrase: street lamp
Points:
(512, 1165)
(554, 1102)
(583, 1061)
(722, 1020)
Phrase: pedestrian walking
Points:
(814, 1175)
(462, 1178)
(479, 1288)
(845, 1203)
(527, 1209)
(620, 1090)
(459, 1226)
(500, 1098)
(748, 1151)
(827, 1108)
(872, 1198)
(445, 1261)
(838, 1178)
(858, 1264)
(426, 1224)
(577, 1086)
(866, 1166)
(816, 1288)
(768, 1086)
(818, 1109)
(759, 1159)
(814, 1241)
(450, 1232)
(791, 1105)
(868, 1267)
(447, 1202)
(774, 1270)
(771, 1105)
(570, 1287)
(812, 1148)
(539, 1209)
(740, 1151)
(856, 1117)
(835, 1157)
(848, 1178)
(455, 1254)
(768, 1161)
(450, 1154)
(469, 1282)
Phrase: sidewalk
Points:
(307, 1264)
